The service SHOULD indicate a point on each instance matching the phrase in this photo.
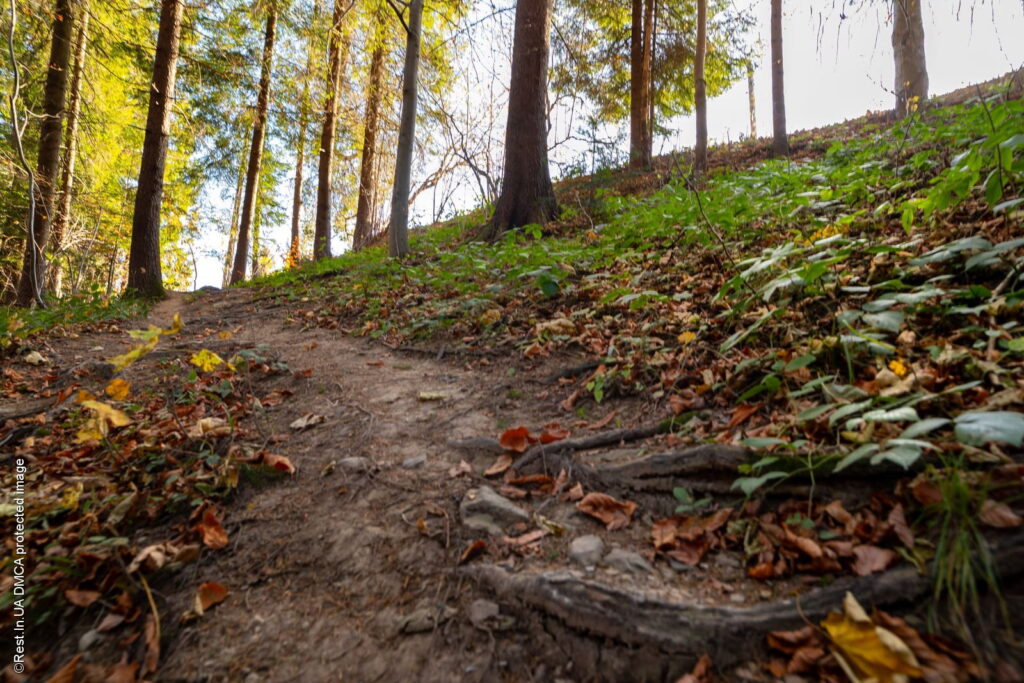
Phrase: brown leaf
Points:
(689, 552)
(717, 520)
(212, 532)
(152, 645)
(123, 672)
(836, 510)
(472, 550)
(110, 621)
(937, 666)
(805, 659)
(999, 515)
(701, 672)
(503, 462)
(871, 559)
(663, 533)
(458, 470)
(741, 414)
(762, 571)
(604, 421)
(527, 538)
(517, 439)
(211, 593)
(898, 521)
(67, 672)
(82, 598)
(926, 492)
(278, 462)
(615, 514)
(554, 434)
(791, 641)
(574, 494)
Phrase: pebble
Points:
(586, 550)
(486, 501)
(628, 561)
(414, 462)
(355, 464)
(738, 598)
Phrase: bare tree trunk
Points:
(337, 50)
(640, 120)
(63, 217)
(527, 195)
(300, 156)
(364, 219)
(646, 75)
(781, 145)
(33, 270)
(752, 101)
(236, 208)
(252, 176)
(700, 164)
(398, 237)
(908, 49)
(144, 276)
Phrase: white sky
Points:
(834, 72)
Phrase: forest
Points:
(518, 362)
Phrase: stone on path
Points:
(586, 550)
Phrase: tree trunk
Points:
(781, 145)
(527, 195)
(641, 43)
(752, 101)
(700, 164)
(63, 217)
(398, 237)
(33, 271)
(322, 222)
(300, 157)
(647, 141)
(259, 130)
(908, 49)
(144, 276)
(236, 207)
(364, 209)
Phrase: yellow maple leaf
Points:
(126, 359)
(118, 389)
(687, 337)
(866, 651)
(151, 336)
(107, 414)
(206, 360)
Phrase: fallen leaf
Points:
(554, 434)
(871, 559)
(209, 427)
(472, 550)
(110, 621)
(430, 396)
(152, 635)
(573, 494)
(210, 593)
(34, 358)
(741, 414)
(926, 492)
(503, 462)
(701, 673)
(867, 650)
(81, 598)
(118, 389)
(306, 421)
(604, 421)
(998, 515)
(211, 531)
(791, 641)
(527, 538)
(689, 552)
(615, 514)
(898, 521)
(517, 439)
(206, 360)
(123, 672)
(67, 673)
(278, 462)
(663, 533)
(458, 470)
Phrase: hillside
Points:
(665, 435)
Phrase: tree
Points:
(527, 195)
(911, 85)
(33, 270)
(700, 91)
(337, 52)
(751, 100)
(144, 276)
(641, 38)
(781, 142)
(300, 153)
(63, 214)
(371, 121)
(398, 236)
(252, 178)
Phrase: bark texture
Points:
(367, 185)
(62, 219)
(527, 195)
(144, 276)
(236, 208)
(337, 50)
(751, 100)
(398, 235)
(700, 164)
(781, 143)
(641, 138)
(911, 85)
(294, 252)
(33, 271)
(259, 131)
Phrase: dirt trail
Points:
(330, 577)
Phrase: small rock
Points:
(586, 550)
(680, 566)
(88, 639)
(414, 462)
(738, 597)
(483, 523)
(486, 501)
(425, 619)
(727, 561)
(253, 677)
(355, 464)
(487, 616)
(628, 561)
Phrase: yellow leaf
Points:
(899, 367)
(118, 389)
(868, 651)
(90, 431)
(225, 335)
(107, 414)
(206, 360)
(71, 496)
(84, 395)
(687, 337)
(126, 359)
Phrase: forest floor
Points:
(683, 432)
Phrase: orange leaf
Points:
(279, 462)
(211, 530)
(604, 421)
(517, 439)
(211, 593)
(615, 513)
(553, 435)
(741, 415)
(123, 672)
(701, 672)
(82, 598)
(474, 549)
(67, 673)
(663, 533)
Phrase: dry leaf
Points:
(118, 389)
(898, 520)
(701, 672)
(867, 650)
(554, 434)
(123, 672)
(871, 559)
(458, 470)
(212, 532)
(615, 514)
(503, 462)
(210, 593)
(152, 636)
(278, 462)
(306, 421)
(81, 598)
(67, 672)
(209, 427)
(998, 515)
(517, 439)
(472, 550)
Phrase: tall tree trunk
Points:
(236, 209)
(751, 100)
(398, 237)
(63, 217)
(700, 163)
(641, 43)
(259, 130)
(908, 49)
(322, 222)
(527, 195)
(781, 144)
(33, 270)
(300, 154)
(367, 186)
(646, 71)
(144, 276)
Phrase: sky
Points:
(834, 71)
